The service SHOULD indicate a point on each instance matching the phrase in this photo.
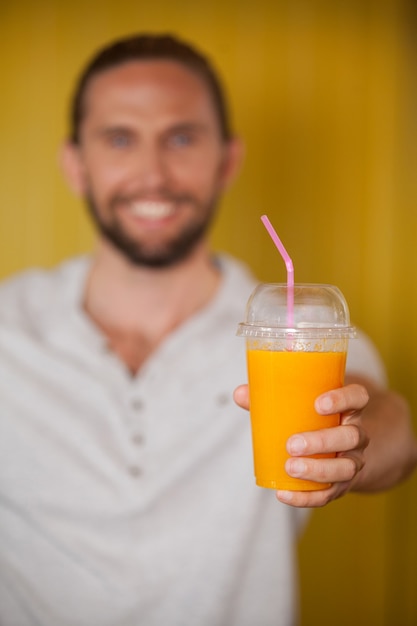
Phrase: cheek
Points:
(200, 175)
(102, 179)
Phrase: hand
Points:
(349, 441)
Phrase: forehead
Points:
(148, 87)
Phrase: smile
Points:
(150, 209)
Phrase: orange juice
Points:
(283, 387)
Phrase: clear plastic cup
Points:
(289, 366)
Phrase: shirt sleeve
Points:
(364, 359)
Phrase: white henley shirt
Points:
(130, 501)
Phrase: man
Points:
(126, 488)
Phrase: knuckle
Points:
(351, 469)
(360, 463)
(354, 436)
(366, 440)
(320, 441)
(322, 471)
(351, 466)
(355, 396)
(325, 498)
(364, 395)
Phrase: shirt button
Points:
(138, 439)
(135, 471)
(223, 399)
(137, 404)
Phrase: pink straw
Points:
(288, 264)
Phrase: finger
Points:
(308, 499)
(349, 398)
(327, 440)
(325, 470)
(241, 396)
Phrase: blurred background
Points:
(325, 96)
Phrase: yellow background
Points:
(324, 94)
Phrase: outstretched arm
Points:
(391, 454)
(375, 444)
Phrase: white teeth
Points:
(151, 210)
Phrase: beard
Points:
(158, 255)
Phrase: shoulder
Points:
(364, 359)
(27, 295)
(227, 309)
(238, 279)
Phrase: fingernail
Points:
(285, 496)
(296, 444)
(325, 403)
(296, 467)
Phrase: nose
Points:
(149, 167)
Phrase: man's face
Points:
(151, 159)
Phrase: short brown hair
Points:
(149, 47)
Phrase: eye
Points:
(181, 139)
(120, 139)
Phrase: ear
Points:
(233, 158)
(71, 165)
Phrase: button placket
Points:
(137, 404)
(135, 411)
(135, 471)
(138, 439)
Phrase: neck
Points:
(136, 307)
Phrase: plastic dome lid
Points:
(319, 311)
